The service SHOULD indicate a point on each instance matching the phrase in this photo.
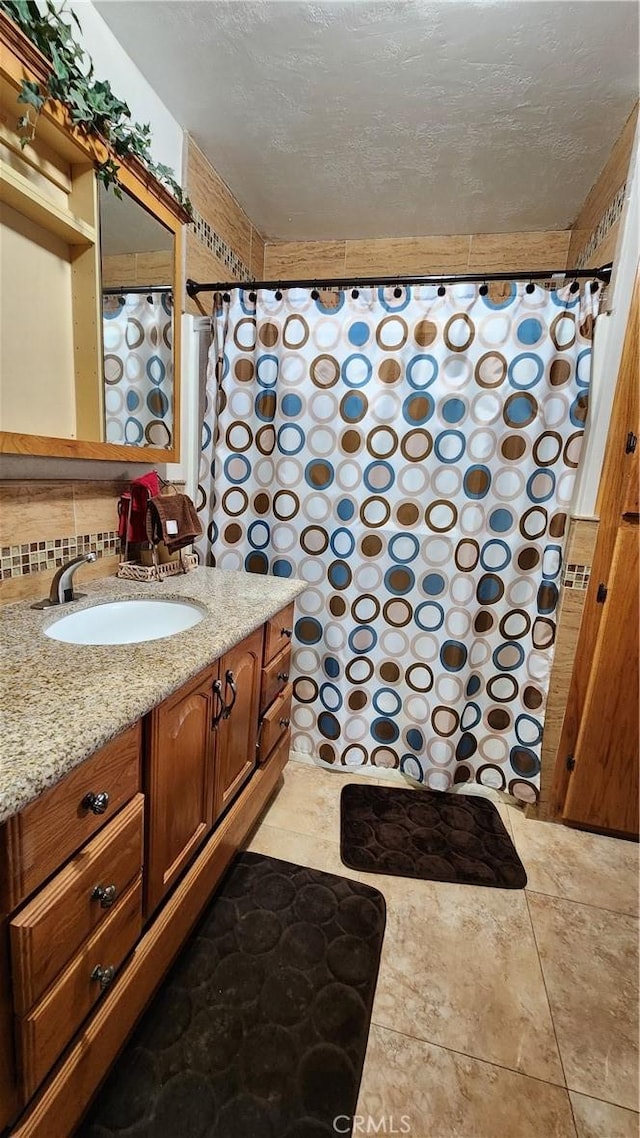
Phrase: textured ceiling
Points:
(394, 118)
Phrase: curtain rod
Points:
(602, 274)
(137, 289)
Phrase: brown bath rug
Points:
(427, 834)
(260, 1029)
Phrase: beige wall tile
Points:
(581, 541)
(289, 260)
(34, 511)
(423, 255)
(498, 252)
(202, 266)
(257, 255)
(606, 250)
(119, 269)
(154, 268)
(605, 188)
(95, 506)
(569, 619)
(214, 200)
(35, 586)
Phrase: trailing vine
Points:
(91, 103)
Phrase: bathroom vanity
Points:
(131, 775)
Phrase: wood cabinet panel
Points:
(278, 632)
(275, 676)
(47, 932)
(274, 723)
(237, 732)
(35, 842)
(179, 784)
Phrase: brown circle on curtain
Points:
(513, 447)
(356, 748)
(324, 371)
(238, 428)
(459, 318)
(445, 721)
(357, 700)
(499, 719)
(304, 688)
(587, 327)
(389, 371)
(433, 506)
(351, 441)
(295, 320)
(360, 600)
(491, 767)
(532, 697)
(314, 539)
(416, 445)
(540, 441)
(352, 664)
(268, 334)
(371, 545)
(233, 532)
(581, 407)
(327, 753)
(266, 439)
(502, 679)
(257, 563)
(398, 613)
(525, 791)
(386, 511)
(559, 373)
(484, 621)
(337, 606)
(225, 506)
(490, 370)
(407, 514)
(354, 416)
(528, 557)
(540, 523)
(515, 624)
(463, 774)
(553, 331)
(520, 397)
(287, 514)
(262, 503)
(403, 338)
(266, 404)
(543, 632)
(386, 451)
(157, 433)
(385, 757)
(424, 333)
(250, 320)
(389, 671)
(467, 555)
(419, 677)
(558, 524)
(547, 597)
(243, 370)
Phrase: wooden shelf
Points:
(17, 192)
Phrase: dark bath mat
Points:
(427, 834)
(260, 1029)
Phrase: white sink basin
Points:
(126, 622)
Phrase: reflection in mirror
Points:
(137, 253)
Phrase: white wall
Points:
(112, 62)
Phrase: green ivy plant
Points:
(91, 103)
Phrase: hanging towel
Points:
(172, 518)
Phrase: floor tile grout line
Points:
(604, 1101)
(475, 1058)
(585, 904)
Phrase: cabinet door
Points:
(237, 731)
(179, 784)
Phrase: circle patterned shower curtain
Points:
(413, 458)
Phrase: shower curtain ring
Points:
(315, 295)
(530, 287)
(484, 288)
(574, 286)
(441, 289)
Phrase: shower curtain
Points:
(138, 369)
(411, 454)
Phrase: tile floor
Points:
(498, 1013)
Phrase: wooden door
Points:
(237, 731)
(603, 791)
(179, 783)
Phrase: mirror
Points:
(137, 263)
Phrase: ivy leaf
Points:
(30, 94)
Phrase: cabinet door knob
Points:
(286, 632)
(283, 676)
(96, 803)
(105, 894)
(284, 722)
(104, 976)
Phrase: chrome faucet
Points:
(62, 585)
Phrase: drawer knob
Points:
(105, 894)
(104, 976)
(96, 803)
(283, 676)
(284, 722)
(286, 632)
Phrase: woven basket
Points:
(132, 572)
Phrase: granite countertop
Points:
(61, 702)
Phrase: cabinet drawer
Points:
(274, 723)
(274, 677)
(278, 633)
(51, 928)
(43, 835)
(46, 1030)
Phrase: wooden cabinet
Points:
(237, 729)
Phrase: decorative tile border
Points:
(216, 245)
(576, 576)
(36, 556)
(609, 218)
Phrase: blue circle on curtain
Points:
(342, 542)
(113, 313)
(429, 616)
(415, 739)
(505, 301)
(568, 301)
(410, 766)
(291, 405)
(519, 411)
(158, 403)
(537, 727)
(500, 520)
(247, 306)
(156, 371)
(548, 478)
(420, 385)
(433, 584)
(308, 630)
(396, 304)
(529, 331)
(237, 460)
(403, 540)
(453, 410)
(379, 476)
(328, 725)
(509, 649)
(133, 399)
(331, 667)
(258, 535)
(133, 431)
(583, 368)
(399, 581)
(524, 761)
(267, 370)
(519, 384)
(353, 408)
(339, 574)
(212, 533)
(578, 410)
(265, 406)
(256, 562)
(330, 697)
(384, 730)
(467, 746)
(473, 685)
(282, 567)
(225, 366)
(417, 409)
(394, 695)
(350, 370)
(291, 429)
(553, 560)
(470, 717)
(367, 638)
(490, 589)
(453, 655)
(442, 440)
(345, 509)
(329, 310)
(319, 474)
(547, 598)
(477, 482)
(496, 544)
(206, 436)
(358, 333)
